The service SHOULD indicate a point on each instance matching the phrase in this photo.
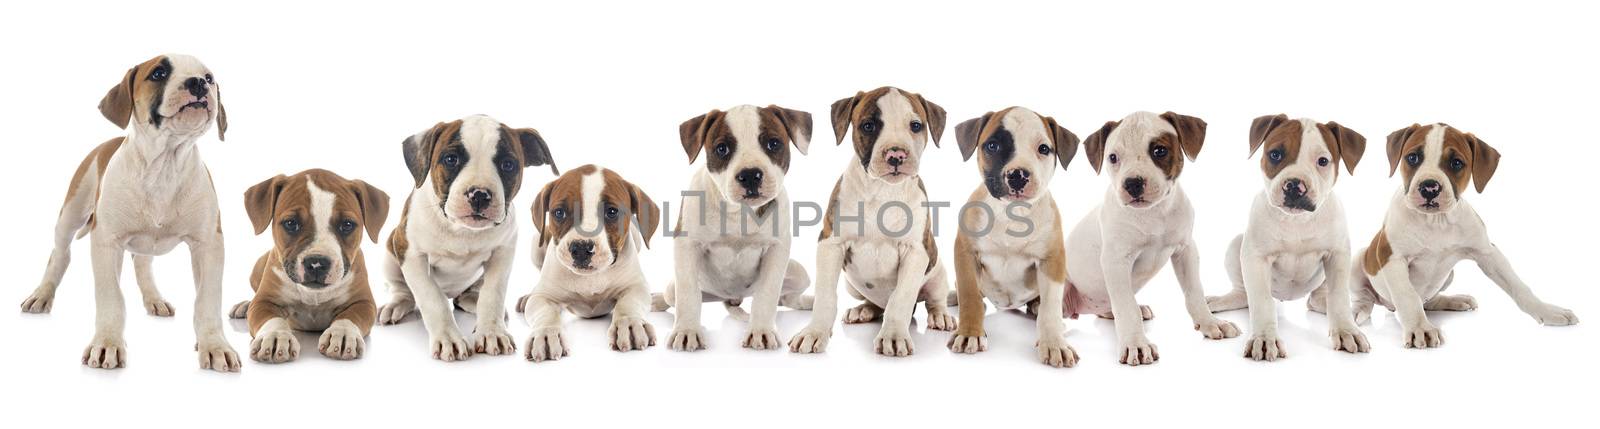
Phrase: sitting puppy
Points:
(738, 247)
(1429, 228)
(1297, 242)
(1144, 221)
(456, 238)
(315, 277)
(876, 229)
(583, 220)
(995, 257)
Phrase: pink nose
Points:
(895, 157)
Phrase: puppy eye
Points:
(159, 74)
(291, 225)
(869, 127)
(1322, 162)
(450, 160)
(1113, 158)
(1414, 159)
(508, 165)
(774, 144)
(1044, 149)
(723, 150)
(1457, 164)
(559, 213)
(209, 79)
(1158, 152)
(916, 127)
(991, 147)
(612, 213)
(1275, 155)
(347, 226)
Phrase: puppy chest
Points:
(454, 275)
(1294, 275)
(732, 268)
(1007, 279)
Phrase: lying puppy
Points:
(583, 220)
(143, 194)
(1144, 221)
(995, 257)
(315, 277)
(456, 238)
(1429, 228)
(739, 247)
(876, 230)
(1297, 242)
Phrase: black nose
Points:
(1294, 189)
(1430, 189)
(1134, 186)
(1018, 179)
(749, 178)
(316, 268)
(196, 86)
(479, 198)
(582, 252)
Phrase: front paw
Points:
(395, 311)
(449, 346)
(1349, 339)
(762, 338)
(893, 341)
(240, 310)
(493, 341)
(1552, 315)
(546, 344)
(1217, 329)
(1054, 351)
(631, 333)
(810, 340)
(342, 341)
(687, 339)
(158, 307)
(1139, 351)
(1265, 346)
(105, 353)
(941, 321)
(39, 302)
(968, 341)
(863, 313)
(1423, 336)
(217, 355)
(275, 346)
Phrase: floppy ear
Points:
(1263, 126)
(534, 151)
(841, 112)
(374, 207)
(693, 132)
(798, 124)
(1397, 141)
(968, 132)
(418, 151)
(1351, 145)
(1094, 147)
(117, 105)
(935, 118)
(1484, 161)
(541, 206)
(1066, 141)
(222, 115)
(1191, 132)
(260, 199)
(645, 211)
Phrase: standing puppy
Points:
(315, 277)
(143, 194)
(996, 256)
(739, 247)
(456, 238)
(876, 229)
(584, 221)
(1145, 221)
(1297, 242)
(1429, 228)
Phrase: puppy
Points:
(456, 239)
(739, 247)
(315, 277)
(996, 256)
(143, 194)
(1144, 221)
(1297, 242)
(1429, 228)
(584, 222)
(876, 229)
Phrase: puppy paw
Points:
(810, 340)
(1217, 329)
(545, 344)
(1139, 351)
(395, 311)
(158, 307)
(762, 338)
(864, 313)
(1265, 346)
(1451, 303)
(522, 303)
(893, 341)
(1233, 300)
(449, 346)
(968, 341)
(39, 302)
(1424, 336)
(631, 333)
(105, 353)
(941, 321)
(342, 341)
(217, 355)
(1349, 339)
(1055, 352)
(1552, 315)
(687, 339)
(275, 346)
(1363, 314)
(493, 341)
(1144, 312)
(240, 310)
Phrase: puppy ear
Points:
(1261, 127)
(841, 112)
(968, 132)
(222, 115)
(935, 119)
(260, 199)
(374, 205)
(418, 151)
(117, 105)
(534, 150)
(1191, 132)
(1094, 147)
(1397, 141)
(798, 124)
(541, 206)
(1484, 161)
(693, 132)
(645, 211)
(1066, 141)
(1350, 144)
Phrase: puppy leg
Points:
(687, 332)
(489, 334)
(401, 302)
(1235, 299)
(345, 339)
(240, 310)
(894, 337)
(830, 260)
(206, 256)
(1495, 265)
(1051, 283)
(1145, 313)
(658, 301)
(1117, 266)
(936, 300)
(107, 350)
(1264, 343)
(272, 339)
(468, 300)
(153, 303)
(546, 341)
(444, 338)
(867, 312)
(1394, 279)
(1341, 322)
(629, 330)
(74, 216)
(795, 282)
(763, 334)
(1186, 265)
(1442, 302)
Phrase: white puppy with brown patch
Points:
(144, 194)
(1145, 221)
(1296, 243)
(1429, 228)
(737, 247)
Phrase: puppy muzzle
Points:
(1296, 197)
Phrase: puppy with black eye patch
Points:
(1145, 221)
(1018, 152)
(592, 224)
(456, 239)
(1428, 229)
(733, 239)
(315, 277)
(876, 229)
(1296, 242)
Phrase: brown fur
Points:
(864, 105)
(1481, 160)
(566, 192)
(1377, 253)
(99, 157)
(833, 212)
(1094, 146)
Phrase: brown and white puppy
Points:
(457, 239)
(1145, 221)
(1010, 248)
(876, 229)
(592, 223)
(1429, 228)
(1296, 243)
(737, 247)
(315, 277)
(143, 194)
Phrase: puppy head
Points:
(474, 167)
(317, 219)
(171, 94)
(891, 128)
(1436, 162)
(587, 215)
(1302, 159)
(747, 149)
(1144, 153)
(1018, 151)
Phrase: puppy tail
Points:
(658, 302)
(735, 310)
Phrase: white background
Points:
(324, 84)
